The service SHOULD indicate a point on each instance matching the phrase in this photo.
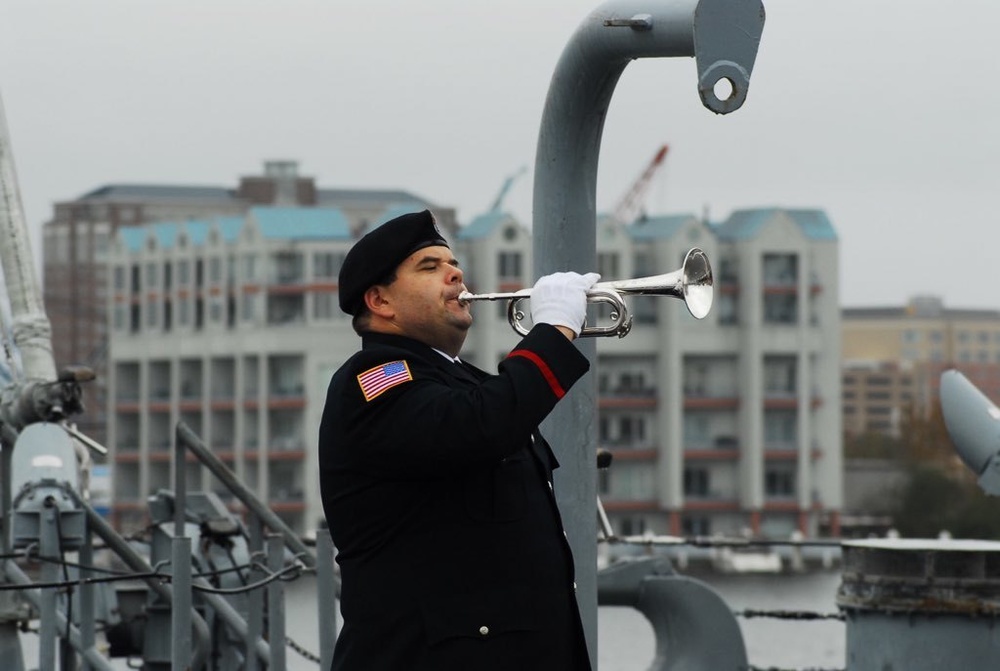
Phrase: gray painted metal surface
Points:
(30, 328)
(723, 34)
(973, 422)
(326, 584)
(921, 605)
(694, 628)
(180, 613)
(275, 547)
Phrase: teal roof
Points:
(481, 226)
(658, 228)
(133, 237)
(746, 224)
(276, 223)
(165, 233)
(229, 227)
(301, 223)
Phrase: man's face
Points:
(424, 299)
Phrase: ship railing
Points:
(281, 539)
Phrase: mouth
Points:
(456, 296)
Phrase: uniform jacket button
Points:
(484, 630)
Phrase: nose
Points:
(455, 275)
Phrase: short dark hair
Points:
(362, 319)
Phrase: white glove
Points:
(560, 299)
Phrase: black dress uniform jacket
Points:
(437, 490)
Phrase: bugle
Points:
(692, 283)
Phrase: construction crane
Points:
(630, 205)
(498, 201)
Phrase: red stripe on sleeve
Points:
(544, 368)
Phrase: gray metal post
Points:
(48, 548)
(180, 613)
(11, 655)
(326, 585)
(276, 603)
(87, 615)
(724, 35)
(255, 599)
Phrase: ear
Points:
(377, 302)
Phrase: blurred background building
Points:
(230, 323)
(75, 246)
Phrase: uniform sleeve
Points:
(427, 425)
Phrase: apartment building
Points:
(77, 238)
(728, 423)
(894, 356)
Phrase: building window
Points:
(324, 305)
(326, 265)
(728, 272)
(632, 526)
(152, 315)
(781, 270)
(779, 482)
(607, 266)
(643, 265)
(183, 272)
(780, 429)
(509, 265)
(101, 240)
(781, 309)
(215, 270)
(727, 310)
(151, 275)
(119, 280)
(696, 525)
(248, 312)
(119, 317)
(695, 481)
(696, 430)
(284, 310)
(58, 238)
(287, 268)
(183, 312)
(644, 309)
(779, 376)
(631, 430)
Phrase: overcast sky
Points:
(885, 114)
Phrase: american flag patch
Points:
(383, 377)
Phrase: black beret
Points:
(376, 255)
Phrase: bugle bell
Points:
(692, 283)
